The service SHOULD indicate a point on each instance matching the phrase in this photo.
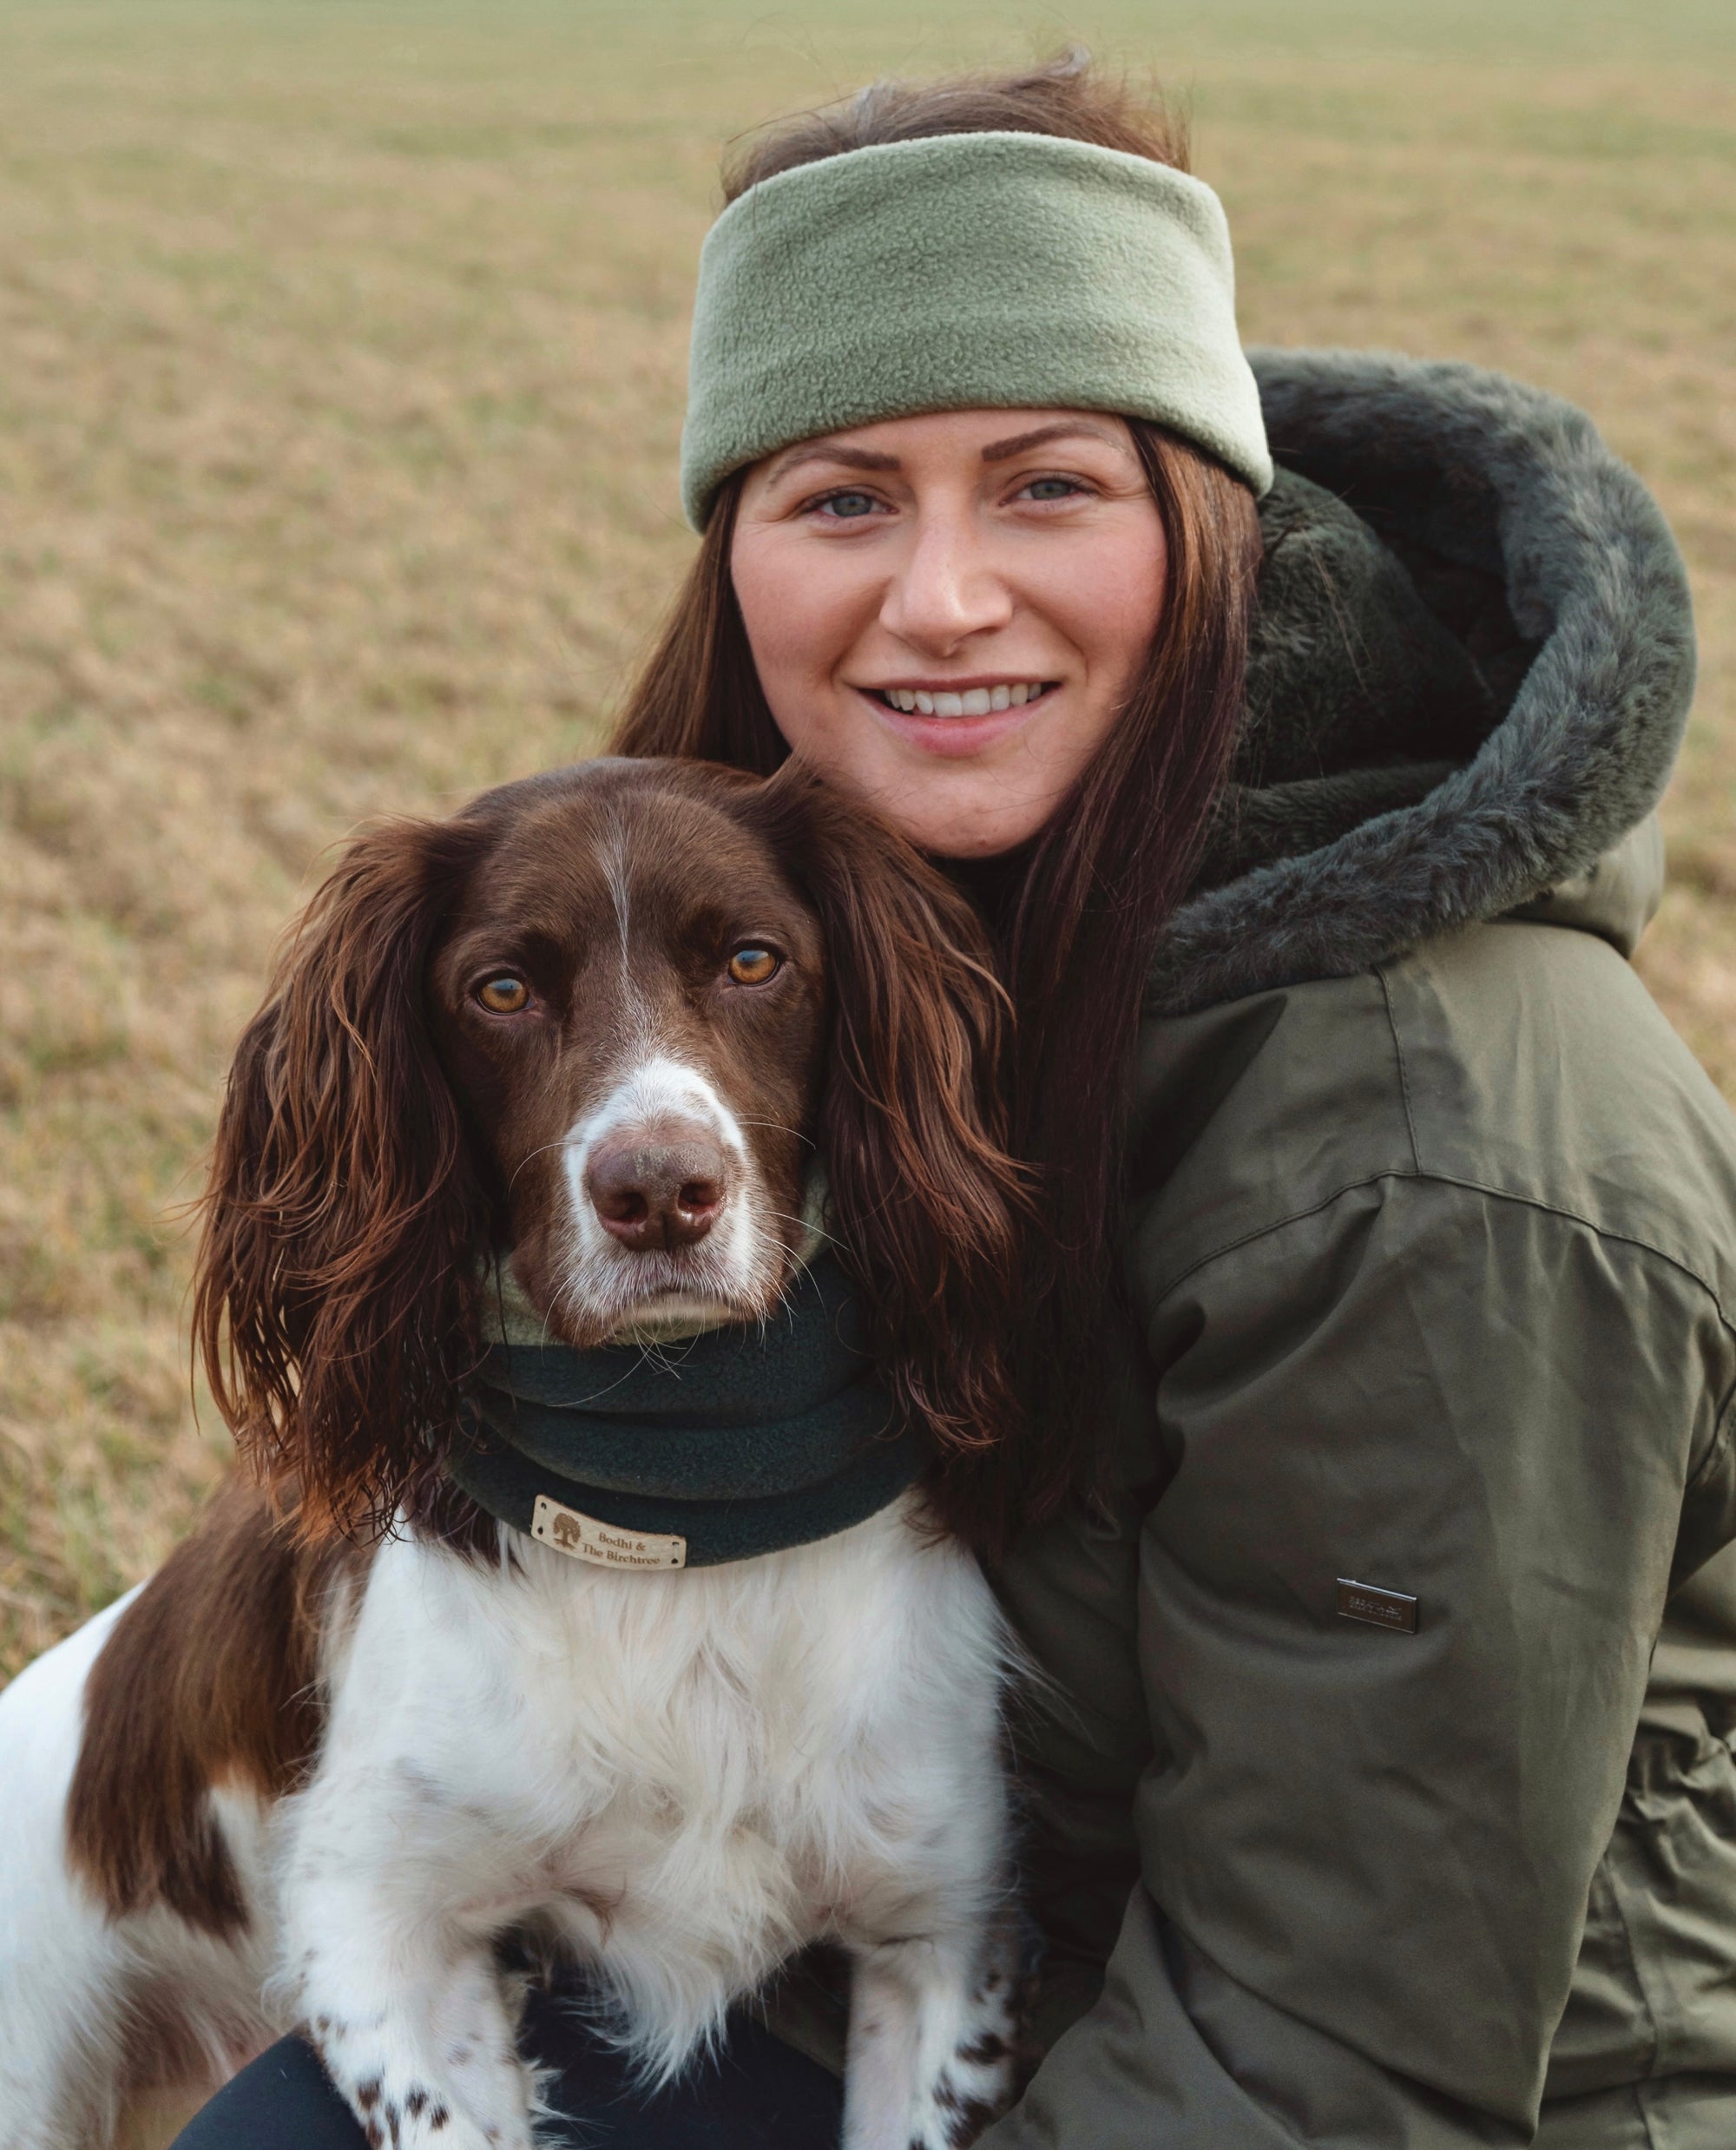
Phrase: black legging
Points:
(757, 2094)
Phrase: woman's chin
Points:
(979, 817)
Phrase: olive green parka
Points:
(1431, 1267)
(1429, 1271)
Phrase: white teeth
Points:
(969, 701)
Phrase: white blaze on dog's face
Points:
(628, 1000)
(666, 1199)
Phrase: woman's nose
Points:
(946, 589)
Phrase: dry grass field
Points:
(341, 358)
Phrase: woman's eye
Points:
(1053, 488)
(847, 506)
(504, 996)
(752, 965)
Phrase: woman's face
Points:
(947, 612)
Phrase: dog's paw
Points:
(417, 2117)
(975, 2088)
(980, 2077)
(478, 2098)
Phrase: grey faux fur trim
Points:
(1592, 575)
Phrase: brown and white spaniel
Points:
(356, 1731)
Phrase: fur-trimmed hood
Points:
(1469, 679)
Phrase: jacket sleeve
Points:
(1365, 1852)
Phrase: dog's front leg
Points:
(398, 1985)
(931, 2051)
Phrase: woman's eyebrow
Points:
(998, 450)
(831, 452)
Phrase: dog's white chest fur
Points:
(686, 1776)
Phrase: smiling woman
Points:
(1018, 631)
(1020, 634)
(1385, 1229)
(983, 586)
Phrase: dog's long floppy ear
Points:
(337, 1288)
(927, 1203)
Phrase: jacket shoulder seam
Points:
(1469, 1187)
(1275, 1225)
(1590, 1224)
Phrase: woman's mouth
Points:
(958, 723)
(967, 701)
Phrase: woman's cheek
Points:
(798, 620)
(1109, 606)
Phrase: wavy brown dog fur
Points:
(206, 1680)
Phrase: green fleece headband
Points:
(961, 272)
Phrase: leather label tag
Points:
(1380, 1608)
(605, 1545)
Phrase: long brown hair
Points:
(1078, 915)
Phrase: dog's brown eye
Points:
(503, 995)
(752, 966)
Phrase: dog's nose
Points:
(657, 1194)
